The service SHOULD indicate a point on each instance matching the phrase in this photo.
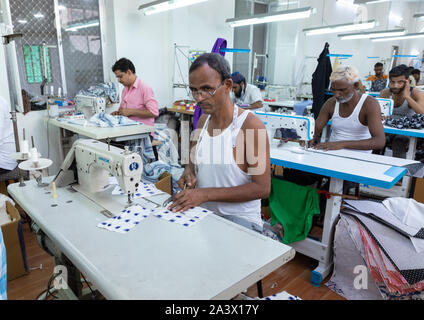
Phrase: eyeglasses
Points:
(204, 93)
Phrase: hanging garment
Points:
(294, 207)
(321, 80)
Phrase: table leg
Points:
(322, 250)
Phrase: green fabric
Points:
(294, 207)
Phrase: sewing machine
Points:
(95, 160)
(273, 121)
(386, 106)
(90, 105)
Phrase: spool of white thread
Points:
(34, 155)
(24, 147)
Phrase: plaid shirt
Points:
(3, 269)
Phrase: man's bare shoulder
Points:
(385, 93)
(417, 94)
(371, 103)
(253, 122)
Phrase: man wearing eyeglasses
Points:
(229, 169)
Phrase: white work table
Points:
(98, 133)
(340, 165)
(158, 260)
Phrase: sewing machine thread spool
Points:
(34, 157)
(24, 147)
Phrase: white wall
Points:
(148, 41)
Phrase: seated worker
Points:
(355, 117)
(379, 80)
(229, 170)
(412, 81)
(138, 101)
(246, 95)
(407, 102)
(416, 73)
(7, 139)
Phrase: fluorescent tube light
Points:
(372, 34)
(340, 28)
(76, 27)
(404, 37)
(39, 15)
(165, 5)
(294, 14)
(22, 21)
(369, 1)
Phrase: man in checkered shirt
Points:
(3, 269)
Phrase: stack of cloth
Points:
(104, 120)
(379, 250)
(414, 122)
(108, 90)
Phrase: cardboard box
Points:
(14, 258)
(165, 183)
(419, 190)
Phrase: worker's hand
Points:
(330, 146)
(187, 180)
(187, 199)
(311, 143)
(407, 90)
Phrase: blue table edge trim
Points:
(396, 172)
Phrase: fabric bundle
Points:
(102, 90)
(388, 238)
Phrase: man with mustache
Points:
(407, 102)
(221, 176)
(355, 117)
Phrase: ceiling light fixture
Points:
(372, 34)
(340, 28)
(404, 37)
(286, 15)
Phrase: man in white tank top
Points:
(231, 179)
(356, 117)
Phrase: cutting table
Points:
(339, 165)
(157, 260)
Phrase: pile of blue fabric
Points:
(105, 120)
(102, 90)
